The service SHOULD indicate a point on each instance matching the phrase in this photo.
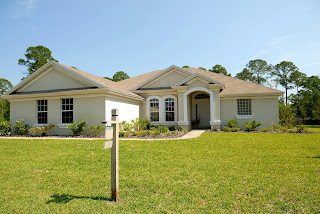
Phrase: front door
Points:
(201, 110)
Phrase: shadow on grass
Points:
(65, 198)
(316, 156)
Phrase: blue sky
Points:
(103, 37)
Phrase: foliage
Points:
(185, 66)
(121, 134)
(202, 68)
(286, 115)
(185, 130)
(5, 127)
(96, 129)
(41, 129)
(284, 71)
(220, 70)
(124, 126)
(118, 76)
(20, 128)
(77, 128)
(226, 129)
(172, 128)
(265, 130)
(162, 129)
(274, 127)
(233, 124)
(140, 123)
(252, 125)
(155, 134)
(5, 85)
(246, 75)
(260, 71)
(36, 57)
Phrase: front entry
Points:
(201, 110)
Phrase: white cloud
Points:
(23, 8)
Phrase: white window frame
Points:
(63, 124)
(149, 112)
(244, 116)
(164, 109)
(45, 111)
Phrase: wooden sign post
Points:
(114, 145)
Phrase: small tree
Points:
(77, 128)
(20, 128)
(41, 129)
(140, 123)
(260, 70)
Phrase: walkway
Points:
(190, 135)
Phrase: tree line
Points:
(304, 104)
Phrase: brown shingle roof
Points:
(232, 85)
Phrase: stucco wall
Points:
(91, 109)
(264, 110)
(55, 79)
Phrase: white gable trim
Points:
(38, 72)
(199, 77)
(160, 74)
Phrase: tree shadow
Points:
(65, 198)
(316, 156)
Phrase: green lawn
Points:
(314, 128)
(215, 173)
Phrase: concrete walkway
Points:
(190, 135)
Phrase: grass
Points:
(313, 128)
(215, 173)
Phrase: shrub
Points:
(252, 126)
(124, 126)
(77, 128)
(301, 129)
(5, 127)
(140, 123)
(126, 134)
(41, 129)
(265, 130)
(153, 128)
(233, 124)
(96, 129)
(235, 129)
(226, 129)
(155, 134)
(162, 129)
(274, 127)
(185, 130)
(172, 128)
(121, 134)
(20, 128)
(284, 129)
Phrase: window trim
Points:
(164, 109)
(63, 125)
(149, 112)
(42, 124)
(244, 116)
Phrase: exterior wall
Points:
(55, 79)
(167, 80)
(90, 109)
(264, 110)
(197, 83)
(128, 110)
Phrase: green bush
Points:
(172, 128)
(274, 127)
(162, 129)
(77, 128)
(143, 133)
(265, 130)
(185, 130)
(96, 129)
(140, 123)
(5, 127)
(124, 126)
(155, 134)
(121, 134)
(153, 129)
(235, 129)
(41, 129)
(20, 128)
(226, 129)
(284, 129)
(252, 126)
(301, 129)
(233, 124)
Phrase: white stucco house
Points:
(58, 94)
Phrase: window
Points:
(67, 110)
(154, 110)
(169, 104)
(42, 111)
(244, 107)
(202, 96)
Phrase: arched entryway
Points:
(200, 107)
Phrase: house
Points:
(58, 94)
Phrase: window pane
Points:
(244, 106)
(154, 116)
(169, 116)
